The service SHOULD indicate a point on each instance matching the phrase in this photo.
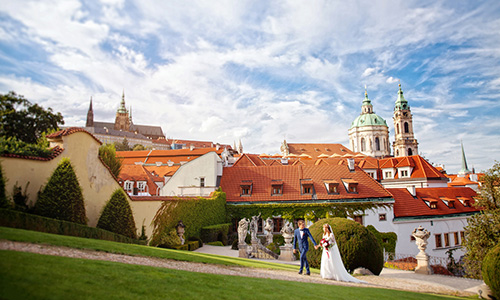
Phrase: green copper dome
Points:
(401, 102)
(368, 117)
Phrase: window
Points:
(446, 239)
(246, 190)
(462, 237)
(397, 128)
(455, 235)
(377, 144)
(278, 224)
(358, 219)
(407, 129)
(363, 148)
(129, 185)
(404, 173)
(410, 152)
(307, 186)
(439, 243)
(202, 182)
(372, 174)
(433, 205)
(307, 189)
(141, 186)
(277, 190)
(332, 186)
(387, 174)
(382, 217)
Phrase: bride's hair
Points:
(328, 227)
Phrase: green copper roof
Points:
(465, 169)
(368, 120)
(366, 101)
(122, 109)
(401, 102)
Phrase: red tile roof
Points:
(408, 206)
(70, 130)
(315, 150)
(291, 176)
(163, 156)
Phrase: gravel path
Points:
(372, 281)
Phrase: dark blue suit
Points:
(303, 247)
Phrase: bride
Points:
(332, 266)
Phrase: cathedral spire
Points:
(90, 115)
(464, 169)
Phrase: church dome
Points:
(368, 120)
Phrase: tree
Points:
(4, 202)
(62, 197)
(483, 229)
(138, 147)
(107, 153)
(25, 121)
(123, 146)
(117, 216)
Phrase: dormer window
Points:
(432, 203)
(465, 202)
(404, 173)
(332, 186)
(388, 175)
(246, 188)
(449, 202)
(350, 185)
(277, 188)
(306, 186)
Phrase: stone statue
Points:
(180, 231)
(269, 227)
(242, 230)
(287, 232)
(254, 226)
(421, 235)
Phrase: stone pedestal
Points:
(287, 253)
(423, 264)
(242, 248)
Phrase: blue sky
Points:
(263, 71)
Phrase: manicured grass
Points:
(22, 235)
(35, 276)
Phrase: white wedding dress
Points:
(332, 266)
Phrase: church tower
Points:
(405, 143)
(122, 120)
(90, 116)
(369, 133)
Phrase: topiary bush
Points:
(358, 246)
(170, 239)
(490, 270)
(386, 239)
(117, 216)
(215, 233)
(4, 202)
(62, 197)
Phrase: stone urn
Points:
(421, 235)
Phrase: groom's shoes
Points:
(308, 273)
(300, 272)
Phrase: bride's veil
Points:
(331, 231)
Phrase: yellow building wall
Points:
(94, 177)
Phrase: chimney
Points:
(191, 148)
(412, 190)
(350, 164)
(217, 147)
(284, 161)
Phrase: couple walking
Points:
(332, 266)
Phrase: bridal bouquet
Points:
(325, 243)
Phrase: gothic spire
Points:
(90, 116)
(464, 169)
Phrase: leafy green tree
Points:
(483, 229)
(20, 198)
(11, 145)
(123, 146)
(4, 202)
(117, 216)
(25, 121)
(138, 147)
(62, 197)
(107, 153)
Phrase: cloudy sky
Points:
(264, 71)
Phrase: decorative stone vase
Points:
(421, 235)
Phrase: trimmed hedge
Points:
(386, 239)
(4, 202)
(217, 243)
(195, 213)
(215, 233)
(490, 270)
(62, 197)
(16, 219)
(117, 216)
(191, 246)
(357, 245)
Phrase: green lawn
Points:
(35, 276)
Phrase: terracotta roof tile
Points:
(315, 150)
(70, 130)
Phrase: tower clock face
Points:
(405, 114)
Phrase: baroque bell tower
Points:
(405, 143)
(122, 120)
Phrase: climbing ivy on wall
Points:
(195, 213)
(308, 211)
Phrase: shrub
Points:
(62, 197)
(217, 243)
(195, 213)
(107, 153)
(196, 239)
(386, 239)
(4, 202)
(215, 233)
(20, 198)
(117, 216)
(170, 239)
(358, 246)
(490, 270)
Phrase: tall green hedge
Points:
(4, 202)
(62, 197)
(214, 233)
(386, 239)
(117, 216)
(195, 213)
(357, 245)
(490, 270)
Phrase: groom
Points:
(300, 235)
